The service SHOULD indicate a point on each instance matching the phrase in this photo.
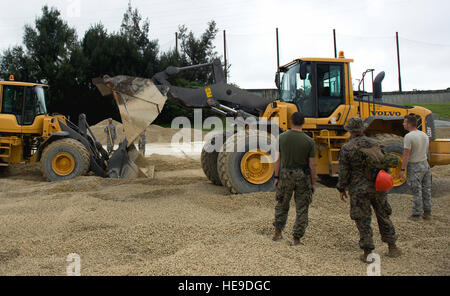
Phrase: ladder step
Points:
(3, 164)
(4, 155)
(335, 150)
(334, 162)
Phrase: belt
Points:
(306, 169)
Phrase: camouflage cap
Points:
(355, 124)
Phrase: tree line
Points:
(53, 54)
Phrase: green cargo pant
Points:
(361, 212)
(298, 183)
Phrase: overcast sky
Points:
(365, 31)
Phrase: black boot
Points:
(277, 235)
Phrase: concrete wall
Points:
(406, 97)
(270, 93)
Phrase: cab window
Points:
(329, 88)
(34, 104)
(13, 101)
(24, 102)
(298, 91)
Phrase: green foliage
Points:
(198, 50)
(52, 53)
(15, 61)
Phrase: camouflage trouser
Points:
(361, 212)
(141, 148)
(109, 147)
(297, 182)
(419, 180)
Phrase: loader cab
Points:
(315, 86)
(23, 100)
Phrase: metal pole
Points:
(398, 62)
(278, 51)
(176, 43)
(334, 39)
(225, 54)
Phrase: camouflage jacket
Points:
(352, 166)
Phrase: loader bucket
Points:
(120, 165)
(139, 102)
(138, 99)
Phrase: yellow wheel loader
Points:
(65, 150)
(321, 88)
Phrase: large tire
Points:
(394, 144)
(72, 155)
(3, 169)
(229, 164)
(209, 157)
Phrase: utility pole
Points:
(176, 43)
(225, 54)
(398, 64)
(278, 50)
(334, 39)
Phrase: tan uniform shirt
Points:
(418, 142)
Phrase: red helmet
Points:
(384, 181)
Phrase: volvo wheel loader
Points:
(321, 88)
(65, 150)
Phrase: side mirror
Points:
(303, 70)
(277, 79)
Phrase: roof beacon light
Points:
(341, 54)
(11, 77)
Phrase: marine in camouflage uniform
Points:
(110, 130)
(415, 158)
(296, 166)
(142, 142)
(363, 196)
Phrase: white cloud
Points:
(365, 31)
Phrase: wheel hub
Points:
(395, 172)
(63, 164)
(257, 167)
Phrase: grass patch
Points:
(440, 110)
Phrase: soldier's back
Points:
(357, 163)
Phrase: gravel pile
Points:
(180, 224)
(155, 133)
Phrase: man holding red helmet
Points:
(363, 194)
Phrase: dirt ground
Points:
(180, 224)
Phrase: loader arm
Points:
(219, 95)
(140, 100)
